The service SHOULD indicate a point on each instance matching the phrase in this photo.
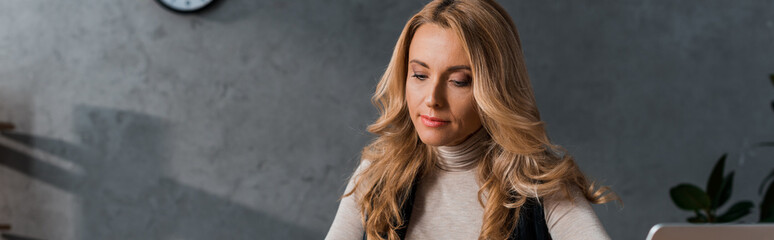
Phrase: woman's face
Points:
(439, 87)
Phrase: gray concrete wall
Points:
(244, 122)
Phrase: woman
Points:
(461, 151)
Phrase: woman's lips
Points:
(432, 121)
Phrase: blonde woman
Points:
(461, 151)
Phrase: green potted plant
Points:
(767, 203)
(705, 203)
(5, 126)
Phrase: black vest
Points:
(531, 225)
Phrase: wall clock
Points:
(186, 6)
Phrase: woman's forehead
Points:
(438, 47)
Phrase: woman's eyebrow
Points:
(450, 69)
(419, 62)
(458, 67)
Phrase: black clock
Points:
(186, 6)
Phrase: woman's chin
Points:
(433, 139)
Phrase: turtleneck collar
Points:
(464, 156)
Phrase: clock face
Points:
(185, 5)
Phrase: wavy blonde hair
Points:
(519, 162)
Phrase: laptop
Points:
(670, 231)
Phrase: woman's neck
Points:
(464, 156)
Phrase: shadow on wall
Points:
(122, 188)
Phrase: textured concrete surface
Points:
(244, 121)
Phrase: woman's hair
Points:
(519, 163)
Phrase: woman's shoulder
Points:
(354, 179)
(569, 194)
(567, 202)
(569, 215)
(361, 166)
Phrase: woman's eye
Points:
(419, 76)
(460, 83)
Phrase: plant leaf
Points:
(725, 191)
(765, 180)
(689, 197)
(738, 210)
(767, 205)
(715, 181)
(771, 78)
(697, 219)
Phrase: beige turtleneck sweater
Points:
(446, 205)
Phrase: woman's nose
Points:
(434, 97)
